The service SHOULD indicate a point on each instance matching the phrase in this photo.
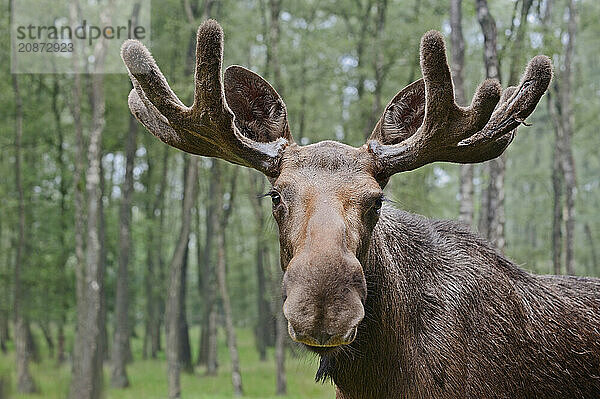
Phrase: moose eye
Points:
(377, 204)
(275, 198)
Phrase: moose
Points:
(395, 305)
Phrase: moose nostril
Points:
(322, 338)
(292, 331)
(350, 335)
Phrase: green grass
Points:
(148, 377)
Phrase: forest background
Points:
(88, 196)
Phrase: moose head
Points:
(327, 197)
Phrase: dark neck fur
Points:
(428, 284)
(386, 263)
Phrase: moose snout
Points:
(322, 338)
(331, 324)
(321, 310)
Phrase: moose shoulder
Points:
(394, 304)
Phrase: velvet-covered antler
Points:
(208, 127)
(423, 124)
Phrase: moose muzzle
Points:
(323, 298)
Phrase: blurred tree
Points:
(560, 106)
(491, 218)
(208, 339)
(265, 328)
(119, 377)
(174, 297)
(223, 211)
(64, 248)
(381, 65)
(185, 350)
(153, 275)
(465, 213)
(87, 380)
(25, 382)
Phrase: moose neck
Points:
(435, 290)
(399, 248)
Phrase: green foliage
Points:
(148, 378)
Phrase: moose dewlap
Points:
(395, 305)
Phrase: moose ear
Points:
(260, 113)
(402, 116)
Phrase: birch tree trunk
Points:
(153, 283)
(173, 306)
(274, 68)
(379, 67)
(458, 62)
(25, 383)
(160, 286)
(87, 378)
(90, 376)
(65, 249)
(201, 359)
(5, 309)
(265, 326)
(103, 346)
(592, 244)
(557, 188)
(150, 270)
(563, 175)
(3, 387)
(220, 231)
(361, 36)
(185, 351)
(185, 357)
(79, 199)
(517, 45)
(119, 377)
(492, 209)
(568, 161)
(154, 280)
(208, 338)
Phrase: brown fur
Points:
(450, 317)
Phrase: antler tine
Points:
(436, 73)
(207, 127)
(145, 111)
(158, 125)
(208, 93)
(144, 71)
(518, 102)
(457, 134)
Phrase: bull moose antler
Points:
(247, 123)
(208, 127)
(423, 124)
